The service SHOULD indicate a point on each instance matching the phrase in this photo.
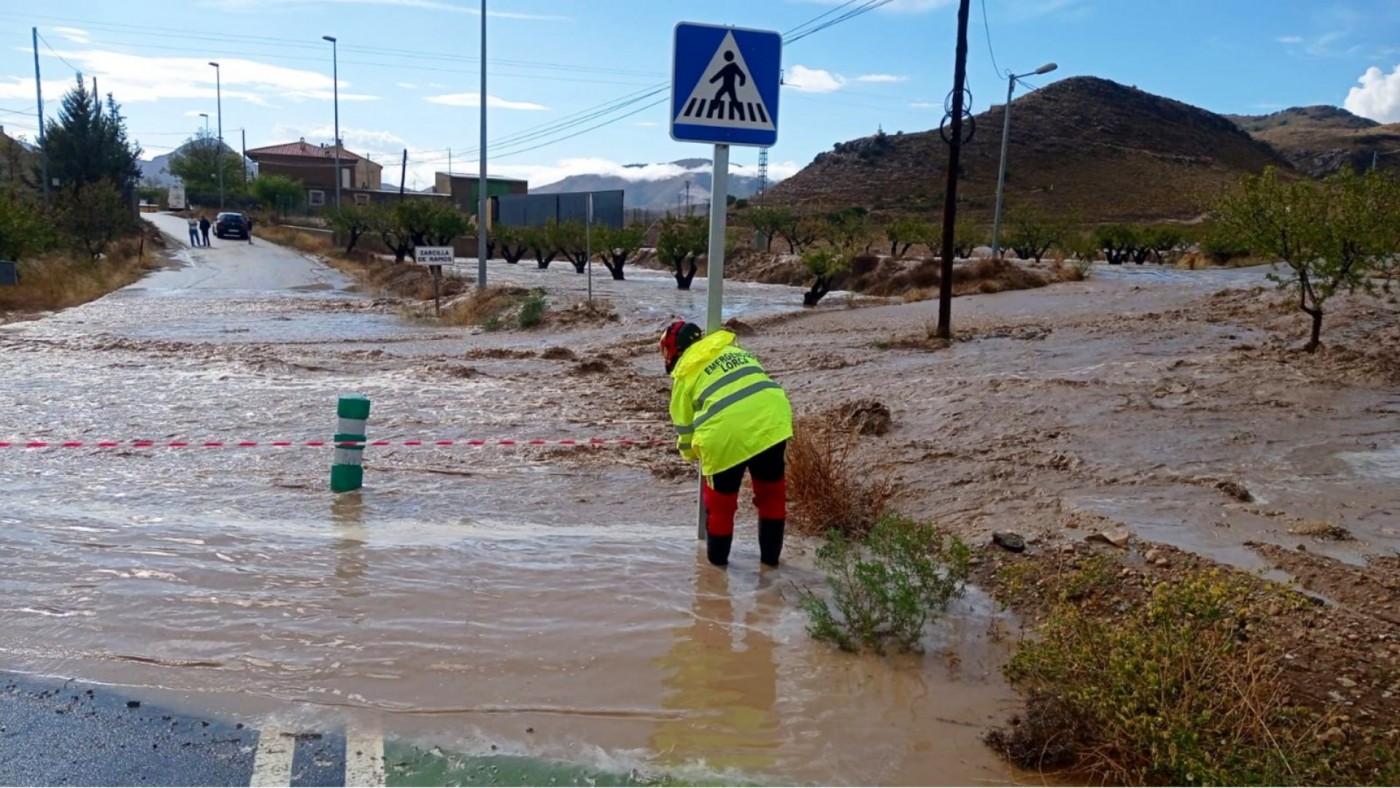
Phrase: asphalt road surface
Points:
(235, 264)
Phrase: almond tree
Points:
(680, 245)
(617, 246)
(1332, 235)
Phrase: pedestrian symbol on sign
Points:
(726, 95)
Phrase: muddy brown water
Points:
(465, 595)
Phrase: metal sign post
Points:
(435, 257)
(725, 83)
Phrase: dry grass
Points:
(488, 308)
(300, 240)
(829, 490)
(375, 273)
(59, 281)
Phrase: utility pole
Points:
(403, 173)
(219, 97)
(39, 93)
(243, 162)
(449, 166)
(335, 88)
(687, 198)
(481, 229)
(1005, 148)
(950, 199)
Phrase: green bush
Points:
(1178, 690)
(886, 588)
(532, 309)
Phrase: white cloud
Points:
(193, 113)
(474, 100)
(1378, 96)
(1290, 39)
(136, 78)
(646, 124)
(925, 105)
(882, 78)
(75, 34)
(357, 140)
(542, 174)
(423, 5)
(812, 80)
(406, 85)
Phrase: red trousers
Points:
(721, 494)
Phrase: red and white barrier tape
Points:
(318, 444)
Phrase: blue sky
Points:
(408, 74)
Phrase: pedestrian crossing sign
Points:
(724, 85)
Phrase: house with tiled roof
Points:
(315, 166)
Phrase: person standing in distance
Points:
(731, 417)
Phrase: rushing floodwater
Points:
(464, 595)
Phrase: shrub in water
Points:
(885, 589)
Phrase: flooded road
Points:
(536, 601)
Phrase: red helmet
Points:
(678, 337)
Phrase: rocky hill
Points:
(1083, 146)
(1319, 140)
(659, 187)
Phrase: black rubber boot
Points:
(770, 541)
(718, 549)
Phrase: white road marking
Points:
(364, 757)
(272, 764)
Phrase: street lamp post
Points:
(482, 241)
(1376, 157)
(219, 94)
(1005, 143)
(335, 87)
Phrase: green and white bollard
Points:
(347, 473)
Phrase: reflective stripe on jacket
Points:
(725, 407)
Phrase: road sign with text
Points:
(724, 85)
(433, 255)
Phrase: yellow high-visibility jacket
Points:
(725, 407)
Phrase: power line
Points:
(55, 54)
(988, 28)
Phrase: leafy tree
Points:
(826, 263)
(88, 143)
(768, 219)
(967, 236)
(445, 223)
(1332, 235)
(511, 241)
(198, 161)
(849, 228)
(1163, 241)
(906, 232)
(1117, 242)
(680, 245)
(1030, 234)
(351, 222)
(23, 229)
(543, 242)
(571, 238)
(387, 222)
(617, 246)
(798, 231)
(93, 216)
(278, 192)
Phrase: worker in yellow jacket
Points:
(730, 416)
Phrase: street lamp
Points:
(1005, 141)
(219, 93)
(1376, 157)
(335, 87)
(205, 115)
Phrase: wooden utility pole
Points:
(403, 174)
(950, 200)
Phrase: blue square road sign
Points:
(724, 85)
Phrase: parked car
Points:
(231, 225)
